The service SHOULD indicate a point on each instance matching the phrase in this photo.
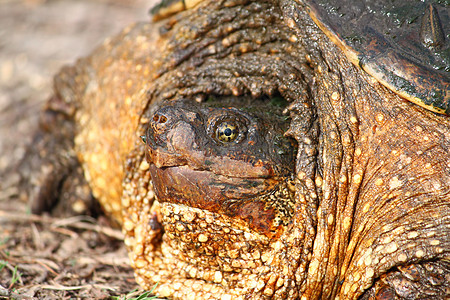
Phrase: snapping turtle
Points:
(363, 212)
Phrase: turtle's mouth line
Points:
(203, 170)
(218, 164)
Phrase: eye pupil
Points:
(227, 132)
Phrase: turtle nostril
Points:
(161, 119)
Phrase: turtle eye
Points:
(227, 132)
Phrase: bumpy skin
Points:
(372, 195)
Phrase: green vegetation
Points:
(147, 295)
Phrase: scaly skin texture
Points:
(372, 194)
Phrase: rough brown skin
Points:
(372, 194)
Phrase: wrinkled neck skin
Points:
(372, 170)
(382, 176)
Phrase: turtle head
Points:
(231, 161)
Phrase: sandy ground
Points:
(43, 257)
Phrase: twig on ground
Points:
(78, 222)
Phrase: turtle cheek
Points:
(258, 217)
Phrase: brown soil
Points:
(43, 257)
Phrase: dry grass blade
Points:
(77, 222)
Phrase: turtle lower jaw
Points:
(247, 200)
(205, 189)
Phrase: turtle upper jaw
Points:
(196, 160)
(178, 137)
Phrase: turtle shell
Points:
(404, 44)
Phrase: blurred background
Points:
(37, 37)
